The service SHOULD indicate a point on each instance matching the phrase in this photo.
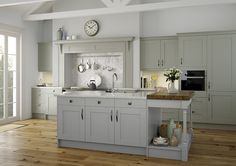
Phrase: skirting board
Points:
(102, 147)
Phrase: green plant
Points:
(172, 74)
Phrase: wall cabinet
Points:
(220, 58)
(158, 53)
(192, 52)
(44, 100)
(44, 57)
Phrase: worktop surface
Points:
(103, 94)
(181, 95)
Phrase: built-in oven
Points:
(193, 80)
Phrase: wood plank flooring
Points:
(36, 144)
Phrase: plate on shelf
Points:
(164, 143)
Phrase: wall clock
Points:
(91, 27)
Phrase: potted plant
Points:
(172, 74)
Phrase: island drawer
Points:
(70, 101)
(135, 103)
(99, 102)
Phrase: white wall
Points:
(31, 33)
(192, 19)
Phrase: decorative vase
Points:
(171, 127)
(171, 88)
(60, 34)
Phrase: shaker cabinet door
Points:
(150, 54)
(130, 127)
(220, 62)
(100, 125)
(199, 110)
(223, 107)
(192, 52)
(71, 123)
(169, 53)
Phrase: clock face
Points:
(91, 28)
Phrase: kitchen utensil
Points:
(87, 66)
(109, 68)
(95, 66)
(97, 79)
(92, 85)
(81, 67)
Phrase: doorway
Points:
(9, 77)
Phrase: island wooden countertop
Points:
(181, 95)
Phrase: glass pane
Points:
(1, 96)
(1, 62)
(11, 62)
(10, 79)
(14, 79)
(1, 79)
(1, 112)
(11, 45)
(10, 95)
(14, 94)
(2, 44)
(10, 110)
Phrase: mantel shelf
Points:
(94, 40)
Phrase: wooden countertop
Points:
(181, 95)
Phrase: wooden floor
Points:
(36, 144)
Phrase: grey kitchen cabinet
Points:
(100, 124)
(44, 100)
(100, 120)
(158, 53)
(38, 105)
(130, 127)
(199, 108)
(220, 58)
(44, 57)
(130, 122)
(223, 107)
(192, 52)
(71, 120)
(51, 100)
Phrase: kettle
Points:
(92, 84)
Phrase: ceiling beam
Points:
(6, 3)
(126, 9)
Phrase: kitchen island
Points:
(120, 122)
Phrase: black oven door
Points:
(193, 84)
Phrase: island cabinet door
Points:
(100, 125)
(71, 123)
(130, 127)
